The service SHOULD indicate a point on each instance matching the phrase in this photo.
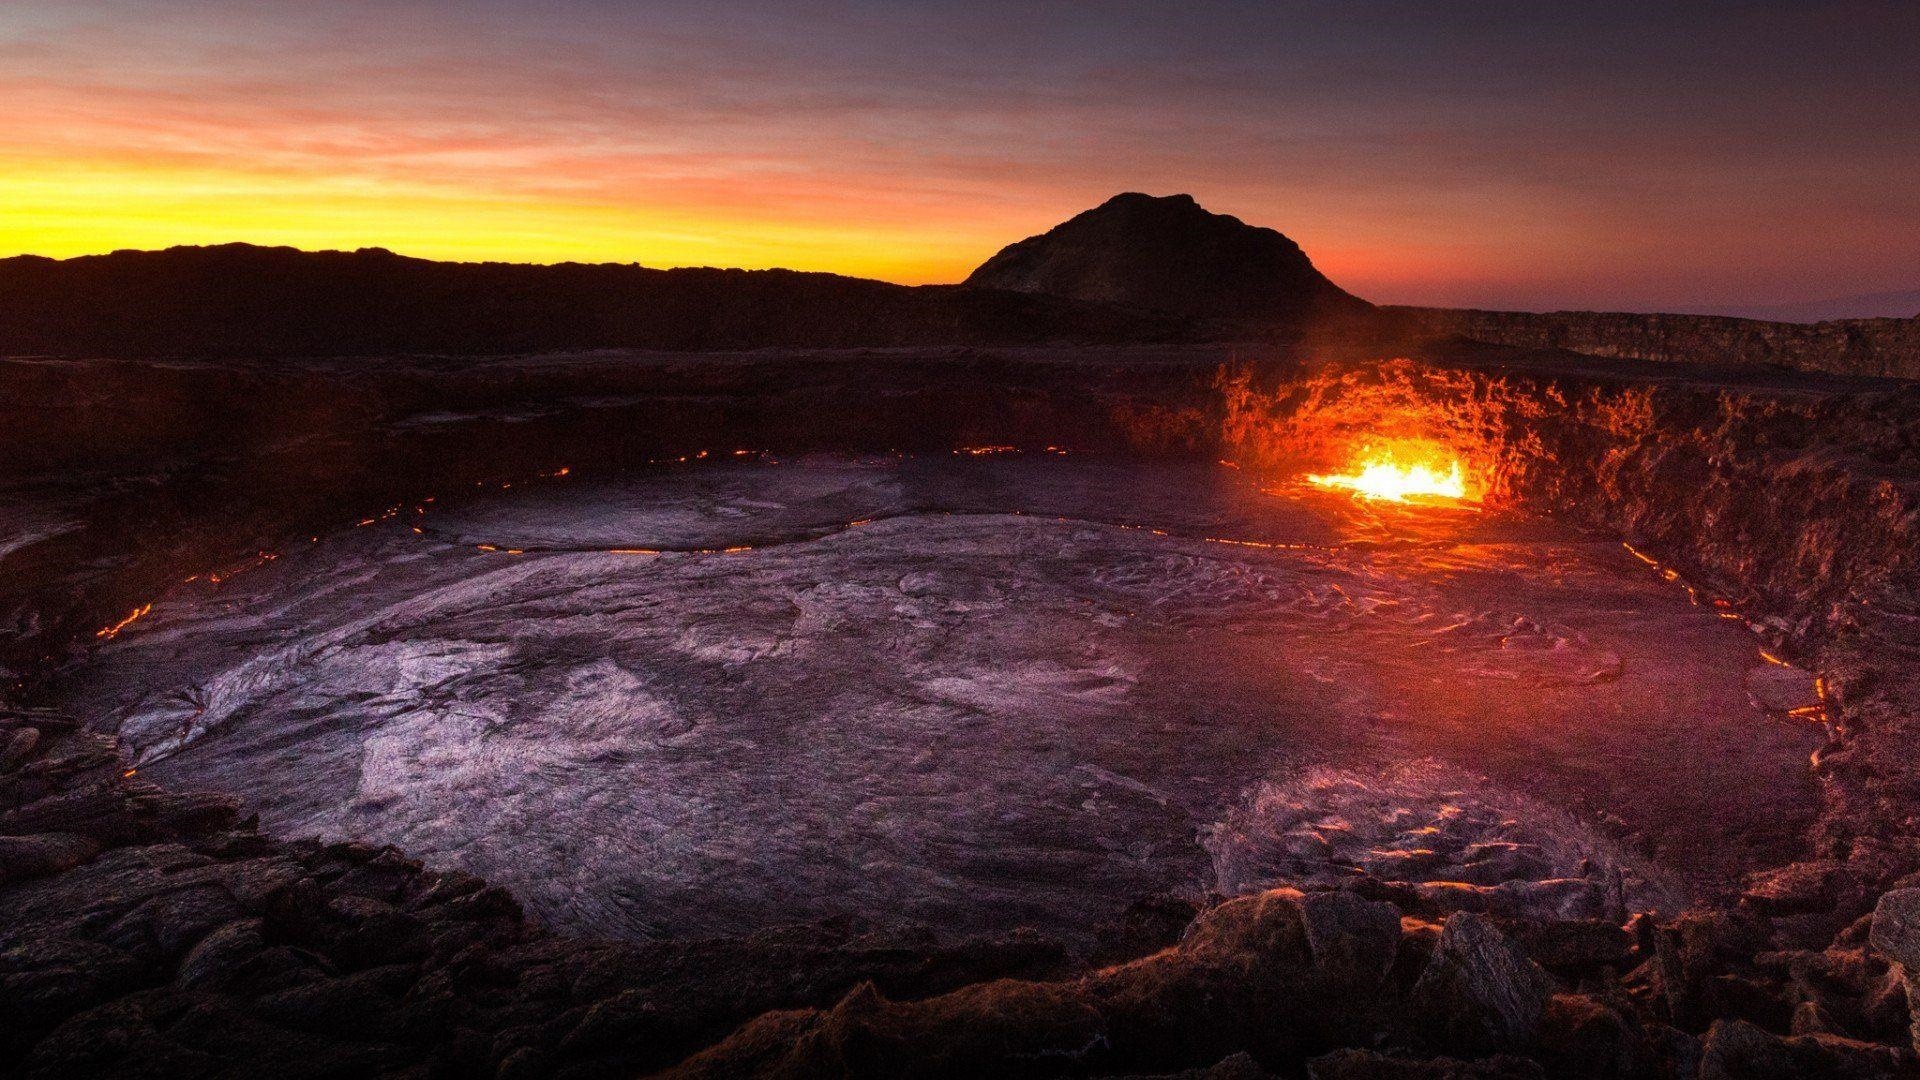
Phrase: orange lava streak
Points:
(1268, 545)
(108, 633)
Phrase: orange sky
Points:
(1511, 158)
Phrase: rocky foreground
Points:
(154, 933)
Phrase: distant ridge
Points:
(1847, 346)
(1137, 269)
(1904, 304)
(238, 300)
(1171, 255)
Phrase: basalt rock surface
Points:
(155, 933)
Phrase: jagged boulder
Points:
(1480, 992)
(1896, 936)
(1896, 927)
(1738, 1050)
(24, 857)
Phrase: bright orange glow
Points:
(1403, 472)
(61, 207)
(89, 166)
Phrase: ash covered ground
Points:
(971, 692)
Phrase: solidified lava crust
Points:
(154, 933)
(962, 690)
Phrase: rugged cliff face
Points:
(1849, 347)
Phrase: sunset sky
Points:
(1604, 155)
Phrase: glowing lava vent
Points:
(1409, 471)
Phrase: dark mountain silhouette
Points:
(1171, 255)
(1135, 269)
(239, 300)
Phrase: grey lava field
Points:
(972, 691)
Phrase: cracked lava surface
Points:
(971, 693)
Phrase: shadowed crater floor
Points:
(972, 691)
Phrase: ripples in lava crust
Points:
(972, 692)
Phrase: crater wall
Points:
(1847, 346)
(1791, 503)
(153, 932)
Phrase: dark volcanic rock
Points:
(1367, 1065)
(1237, 1067)
(1170, 255)
(1148, 925)
(1896, 936)
(1737, 1050)
(23, 857)
(1480, 991)
(1896, 927)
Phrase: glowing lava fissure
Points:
(1406, 471)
